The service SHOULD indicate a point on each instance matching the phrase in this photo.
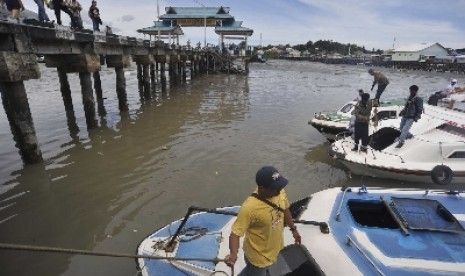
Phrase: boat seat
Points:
(294, 260)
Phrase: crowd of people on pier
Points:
(71, 7)
(411, 112)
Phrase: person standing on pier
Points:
(75, 8)
(94, 14)
(410, 113)
(381, 80)
(43, 17)
(14, 7)
(60, 5)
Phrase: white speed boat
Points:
(348, 231)
(335, 125)
(436, 153)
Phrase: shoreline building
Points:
(170, 24)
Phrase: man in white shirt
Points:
(450, 89)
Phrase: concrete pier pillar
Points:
(152, 73)
(120, 62)
(183, 69)
(98, 85)
(65, 89)
(85, 65)
(16, 105)
(197, 66)
(157, 67)
(88, 99)
(14, 69)
(162, 77)
(174, 72)
(68, 102)
(121, 89)
(139, 73)
(146, 73)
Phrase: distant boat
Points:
(435, 153)
(334, 125)
(345, 231)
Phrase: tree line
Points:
(327, 47)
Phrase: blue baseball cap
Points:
(270, 177)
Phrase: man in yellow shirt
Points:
(261, 220)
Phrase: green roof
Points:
(233, 28)
(173, 13)
(164, 28)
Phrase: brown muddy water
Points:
(198, 143)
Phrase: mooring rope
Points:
(9, 246)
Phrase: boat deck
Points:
(425, 235)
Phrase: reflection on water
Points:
(198, 143)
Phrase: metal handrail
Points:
(352, 242)
(340, 204)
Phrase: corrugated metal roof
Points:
(164, 27)
(414, 47)
(234, 27)
(196, 13)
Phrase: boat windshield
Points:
(347, 108)
(426, 214)
(450, 128)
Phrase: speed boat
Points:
(434, 154)
(335, 125)
(345, 231)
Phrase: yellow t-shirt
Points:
(263, 227)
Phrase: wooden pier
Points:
(83, 52)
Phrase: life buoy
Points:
(441, 175)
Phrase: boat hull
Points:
(369, 231)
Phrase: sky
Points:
(371, 23)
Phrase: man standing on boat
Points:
(381, 80)
(410, 113)
(362, 113)
(261, 220)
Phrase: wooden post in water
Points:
(14, 69)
